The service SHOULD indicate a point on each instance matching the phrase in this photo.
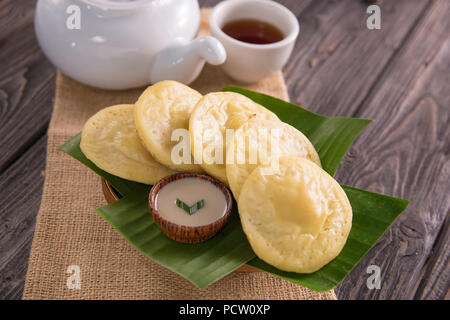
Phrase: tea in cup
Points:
(258, 36)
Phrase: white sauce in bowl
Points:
(190, 191)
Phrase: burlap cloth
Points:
(68, 232)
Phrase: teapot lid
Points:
(118, 4)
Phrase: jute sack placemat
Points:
(68, 232)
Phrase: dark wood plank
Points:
(21, 184)
(27, 83)
(435, 282)
(337, 59)
(16, 15)
(20, 197)
(405, 153)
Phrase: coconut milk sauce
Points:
(190, 191)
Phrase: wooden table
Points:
(398, 76)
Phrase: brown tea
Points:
(253, 31)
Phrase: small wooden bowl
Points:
(111, 195)
(188, 234)
(109, 192)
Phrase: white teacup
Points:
(247, 62)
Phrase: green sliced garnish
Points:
(190, 209)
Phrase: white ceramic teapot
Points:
(120, 44)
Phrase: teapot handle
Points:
(183, 60)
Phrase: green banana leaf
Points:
(331, 136)
(372, 214)
(201, 263)
(207, 262)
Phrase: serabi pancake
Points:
(212, 116)
(160, 110)
(298, 219)
(109, 139)
(260, 141)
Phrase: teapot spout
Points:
(184, 60)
